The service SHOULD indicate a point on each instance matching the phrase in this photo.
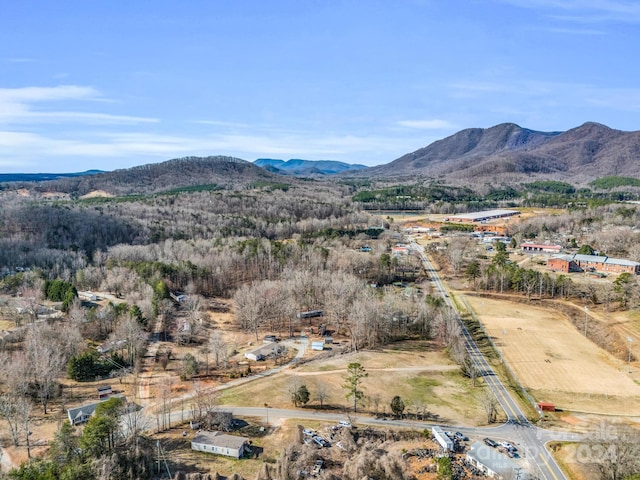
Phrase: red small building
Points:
(546, 407)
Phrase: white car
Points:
(508, 446)
(344, 423)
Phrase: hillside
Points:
(511, 153)
(306, 167)
(224, 172)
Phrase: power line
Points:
(161, 457)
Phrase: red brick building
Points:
(592, 263)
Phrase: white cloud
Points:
(21, 117)
(575, 31)
(35, 94)
(585, 11)
(221, 123)
(17, 106)
(145, 147)
(434, 124)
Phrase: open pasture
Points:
(555, 362)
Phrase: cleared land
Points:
(555, 362)
(419, 372)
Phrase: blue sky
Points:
(113, 84)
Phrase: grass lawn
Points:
(423, 376)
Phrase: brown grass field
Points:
(555, 362)
(420, 373)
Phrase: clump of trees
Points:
(300, 396)
(612, 452)
(369, 316)
(88, 365)
(60, 291)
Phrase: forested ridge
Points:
(229, 172)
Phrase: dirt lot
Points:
(555, 362)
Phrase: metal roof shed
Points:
(445, 442)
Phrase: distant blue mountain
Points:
(306, 167)
(41, 177)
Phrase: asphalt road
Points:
(530, 438)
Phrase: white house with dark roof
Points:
(220, 444)
(82, 414)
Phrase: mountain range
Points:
(306, 167)
(508, 152)
(503, 154)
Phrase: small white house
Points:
(317, 346)
(220, 444)
(263, 351)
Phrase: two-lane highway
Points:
(532, 438)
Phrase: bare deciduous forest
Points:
(271, 249)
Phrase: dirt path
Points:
(437, 368)
(144, 378)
